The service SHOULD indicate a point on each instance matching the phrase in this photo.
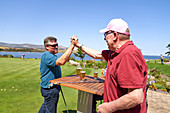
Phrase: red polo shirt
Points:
(126, 68)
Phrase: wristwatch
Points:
(81, 46)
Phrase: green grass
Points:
(165, 69)
(20, 86)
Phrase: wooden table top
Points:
(95, 88)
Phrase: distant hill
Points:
(26, 45)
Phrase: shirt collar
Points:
(122, 47)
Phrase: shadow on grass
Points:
(70, 111)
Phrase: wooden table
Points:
(86, 90)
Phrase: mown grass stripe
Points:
(24, 75)
(12, 68)
(17, 74)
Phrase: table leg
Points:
(87, 102)
(84, 104)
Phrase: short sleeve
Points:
(129, 73)
(50, 60)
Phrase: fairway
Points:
(20, 86)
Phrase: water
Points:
(38, 55)
(150, 57)
(27, 54)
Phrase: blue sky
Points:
(30, 21)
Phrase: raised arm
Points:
(65, 57)
(91, 52)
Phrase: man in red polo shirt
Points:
(126, 75)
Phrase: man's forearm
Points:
(128, 101)
(65, 57)
(91, 52)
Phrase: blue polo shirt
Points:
(48, 69)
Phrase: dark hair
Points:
(49, 39)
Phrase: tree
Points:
(168, 52)
(80, 54)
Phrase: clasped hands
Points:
(74, 40)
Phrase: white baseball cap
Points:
(117, 25)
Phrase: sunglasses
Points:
(52, 45)
(109, 32)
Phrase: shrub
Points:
(160, 86)
(90, 61)
(166, 60)
(10, 56)
(72, 58)
(93, 63)
(4, 56)
(155, 73)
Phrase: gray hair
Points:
(49, 39)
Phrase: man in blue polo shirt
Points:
(50, 69)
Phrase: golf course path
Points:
(158, 102)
